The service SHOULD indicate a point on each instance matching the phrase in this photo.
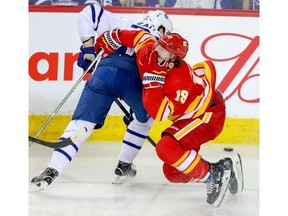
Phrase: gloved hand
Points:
(154, 74)
(86, 57)
(108, 41)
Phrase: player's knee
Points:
(82, 123)
(162, 148)
(76, 125)
(146, 125)
(174, 175)
(144, 119)
(149, 122)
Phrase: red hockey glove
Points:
(154, 75)
(108, 41)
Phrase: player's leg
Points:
(132, 143)
(189, 166)
(178, 149)
(61, 157)
(136, 132)
(90, 112)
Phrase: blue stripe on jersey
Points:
(94, 16)
(99, 17)
(136, 134)
(131, 144)
(93, 13)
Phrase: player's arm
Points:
(135, 38)
(113, 39)
(162, 100)
(92, 21)
(157, 104)
(153, 77)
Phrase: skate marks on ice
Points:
(85, 187)
(135, 199)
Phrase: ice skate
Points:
(220, 177)
(124, 172)
(43, 180)
(236, 183)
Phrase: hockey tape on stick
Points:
(60, 144)
(127, 114)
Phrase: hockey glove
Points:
(86, 57)
(154, 74)
(108, 41)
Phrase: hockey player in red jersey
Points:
(188, 97)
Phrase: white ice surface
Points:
(85, 188)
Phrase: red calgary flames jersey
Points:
(187, 92)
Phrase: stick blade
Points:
(63, 143)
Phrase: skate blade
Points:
(238, 169)
(121, 179)
(34, 187)
(224, 187)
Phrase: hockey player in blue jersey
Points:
(116, 76)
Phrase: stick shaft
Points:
(68, 95)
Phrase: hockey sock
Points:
(62, 156)
(134, 139)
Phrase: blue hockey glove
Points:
(86, 57)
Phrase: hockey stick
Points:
(60, 144)
(99, 55)
(127, 114)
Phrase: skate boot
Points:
(124, 172)
(236, 183)
(233, 183)
(44, 179)
(219, 181)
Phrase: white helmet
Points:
(159, 18)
